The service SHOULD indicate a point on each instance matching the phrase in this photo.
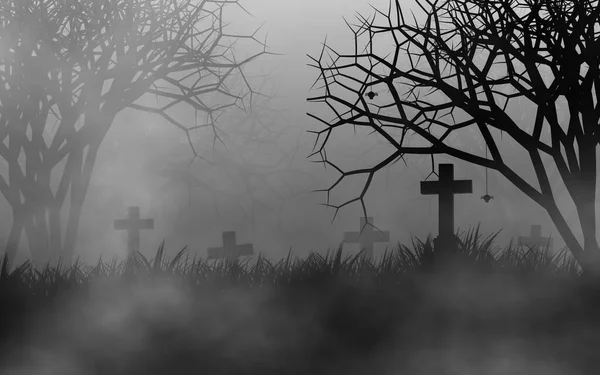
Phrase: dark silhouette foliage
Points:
(459, 73)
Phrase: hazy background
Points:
(270, 204)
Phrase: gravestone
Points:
(367, 236)
(133, 224)
(445, 188)
(535, 239)
(230, 250)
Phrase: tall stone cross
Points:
(445, 188)
(133, 224)
(230, 250)
(535, 239)
(367, 236)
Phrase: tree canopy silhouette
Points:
(67, 68)
(456, 72)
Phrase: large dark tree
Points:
(67, 68)
(419, 84)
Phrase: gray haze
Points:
(142, 150)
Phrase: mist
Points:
(252, 174)
(256, 179)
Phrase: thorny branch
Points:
(440, 77)
(67, 68)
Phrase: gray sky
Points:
(129, 168)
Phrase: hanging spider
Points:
(487, 197)
(371, 94)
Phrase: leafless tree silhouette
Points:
(440, 77)
(69, 67)
(256, 158)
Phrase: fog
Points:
(241, 187)
(255, 179)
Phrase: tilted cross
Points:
(446, 187)
(133, 224)
(367, 236)
(230, 250)
(535, 239)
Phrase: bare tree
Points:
(67, 68)
(424, 80)
(258, 169)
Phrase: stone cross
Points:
(230, 250)
(133, 224)
(535, 239)
(367, 236)
(446, 187)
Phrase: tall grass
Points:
(327, 313)
(474, 256)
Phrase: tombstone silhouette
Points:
(133, 224)
(445, 188)
(535, 239)
(367, 236)
(230, 250)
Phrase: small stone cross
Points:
(230, 250)
(535, 239)
(367, 236)
(133, 224)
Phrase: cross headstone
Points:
(133, 224)
(230, 250)
(535, 239)
(367, 236)
(445, 188)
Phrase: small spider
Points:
(371, 94)
(487, 198)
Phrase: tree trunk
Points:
(583, 193)
(44, 233)
(14, 237)
(79, 188)
(36, 241)
(566, 233)
(581, 186)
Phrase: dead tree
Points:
(423, 79)
(259, 167)
(69, 67)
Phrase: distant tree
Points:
(255, 153)
(67, 68)
(457, 71)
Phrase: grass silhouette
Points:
(481, 310)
